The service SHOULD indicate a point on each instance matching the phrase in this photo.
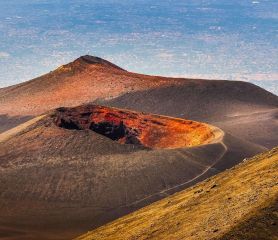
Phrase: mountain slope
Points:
(240, 203)
(69, 170)
(230, 105)
(50, 171)
(241, 109)
(81, 81)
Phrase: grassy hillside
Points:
(240, 203)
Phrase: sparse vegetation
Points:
(240, 203)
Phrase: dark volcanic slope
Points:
(57, 183)
(240, 108)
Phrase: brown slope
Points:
(84, 80)
(240, 108)
(56, 183)
(240, 203)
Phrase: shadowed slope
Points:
(7, 122)
(241, 203)
(57, 183)
(14, 131)
(239, 108)
(213, 100)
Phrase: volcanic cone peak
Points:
(97, 60)
(85, 65)
(129, 127)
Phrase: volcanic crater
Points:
(129, 127)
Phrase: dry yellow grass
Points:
(240, 203)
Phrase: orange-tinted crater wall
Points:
(125, 126)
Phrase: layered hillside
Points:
(242, 109)
(90, 142)
(74, 169)
(240, 203)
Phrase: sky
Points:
(212, 39)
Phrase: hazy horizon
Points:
(212, 39)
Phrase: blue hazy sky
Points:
(215, 39)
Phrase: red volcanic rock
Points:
(131, 127)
